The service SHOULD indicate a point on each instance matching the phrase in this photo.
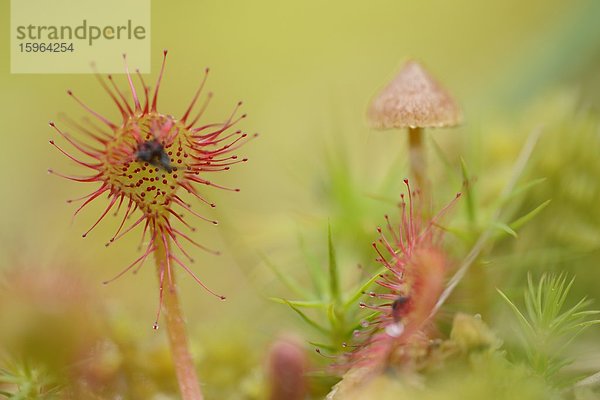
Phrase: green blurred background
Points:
(305, 71)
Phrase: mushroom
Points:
(414, 100)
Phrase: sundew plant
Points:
(418, 218)
(143, 161)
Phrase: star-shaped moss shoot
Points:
(143, 162)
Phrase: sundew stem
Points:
(175, 324)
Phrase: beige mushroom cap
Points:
(413, 99)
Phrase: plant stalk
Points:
(185, 370)
(418, 165)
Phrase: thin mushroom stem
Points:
(418, 165)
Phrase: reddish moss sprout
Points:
(142, 162)
(416, 267)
